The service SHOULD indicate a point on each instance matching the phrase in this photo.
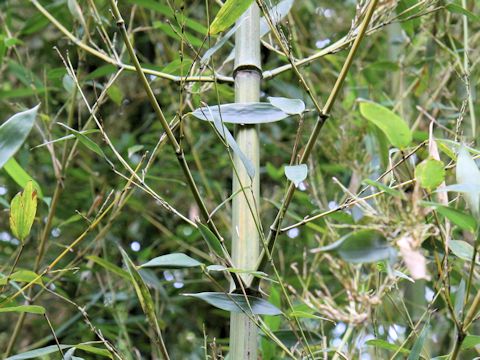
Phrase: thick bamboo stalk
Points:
(245, 237)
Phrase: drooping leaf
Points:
(461, 249)
(38, 353)
(430, 174)
(109, 266)
(458, 9)
(228, 14)
(467, 173)
(14, 131)
(237, 303)
(459, 299)
(363, 246)
(22, 211)
(172, 261)
(296, 173)
(392, 125)
(213, 242)
(31, 309)
(144, 296)
(288, 106)
(20, 176)
(459, 218)
(241, 113)
(383, 344)
(418, 345)
(86, 141)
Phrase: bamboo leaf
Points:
(470, 342)
(430, 174)
(228, 14)
(393, 126)
(22, 276)
(38, 353)
(387, 189)
(241, 113)
(461, 249)
(22, 211)
(20, 176)
(237, 303)
(213, 243)
(109, 266)
(14, 132)
(458, 9)
(288, 106)
(172, 261)
(31, 309)
(296, 173)
(144, 297)
(459, 218)
(418, 345)
(382, 344)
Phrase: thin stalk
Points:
(323, 116)
(245, 235)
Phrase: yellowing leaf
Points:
(22, 211)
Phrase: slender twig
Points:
(323, 116)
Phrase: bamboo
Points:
(245, 236)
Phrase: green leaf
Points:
(237, 303)
(470, 342)
(430, 174)
(246, 113)
(363, 246)
(387, 189)
(459, 218)
(86, 141)
(459, 299)
(290, 338)
(109, 266)
(288, 106)
(382, 344)
(172, 261)
(94, 350)
(20, 176)
(468, 174)
(214, 244)
(418, 346)
(228, 14)
(144, 296)
(38, 353)
(22, 276)
(392, 125)
(115, 94)
(22, 211)
(461, 249)
(457, 9)
(31, 309)
(296, 173)
(14, 132)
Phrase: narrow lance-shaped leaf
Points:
(228, 14)
(175, 261)
(14, 131)
(22, 211)
(393, 126)
(238, 303)
(31, 309)
(288, 106)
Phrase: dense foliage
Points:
(377, 255)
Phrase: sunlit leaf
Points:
(296, 173)
(228, 14)
(172, 261)
(14, 131)
(244, 113)
(288, 106)
(20, 176)
(461, 249)
(237, 303)
(392, 125)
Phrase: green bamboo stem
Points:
(245, 236)
(323, 116)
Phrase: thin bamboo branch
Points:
(323, 116)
